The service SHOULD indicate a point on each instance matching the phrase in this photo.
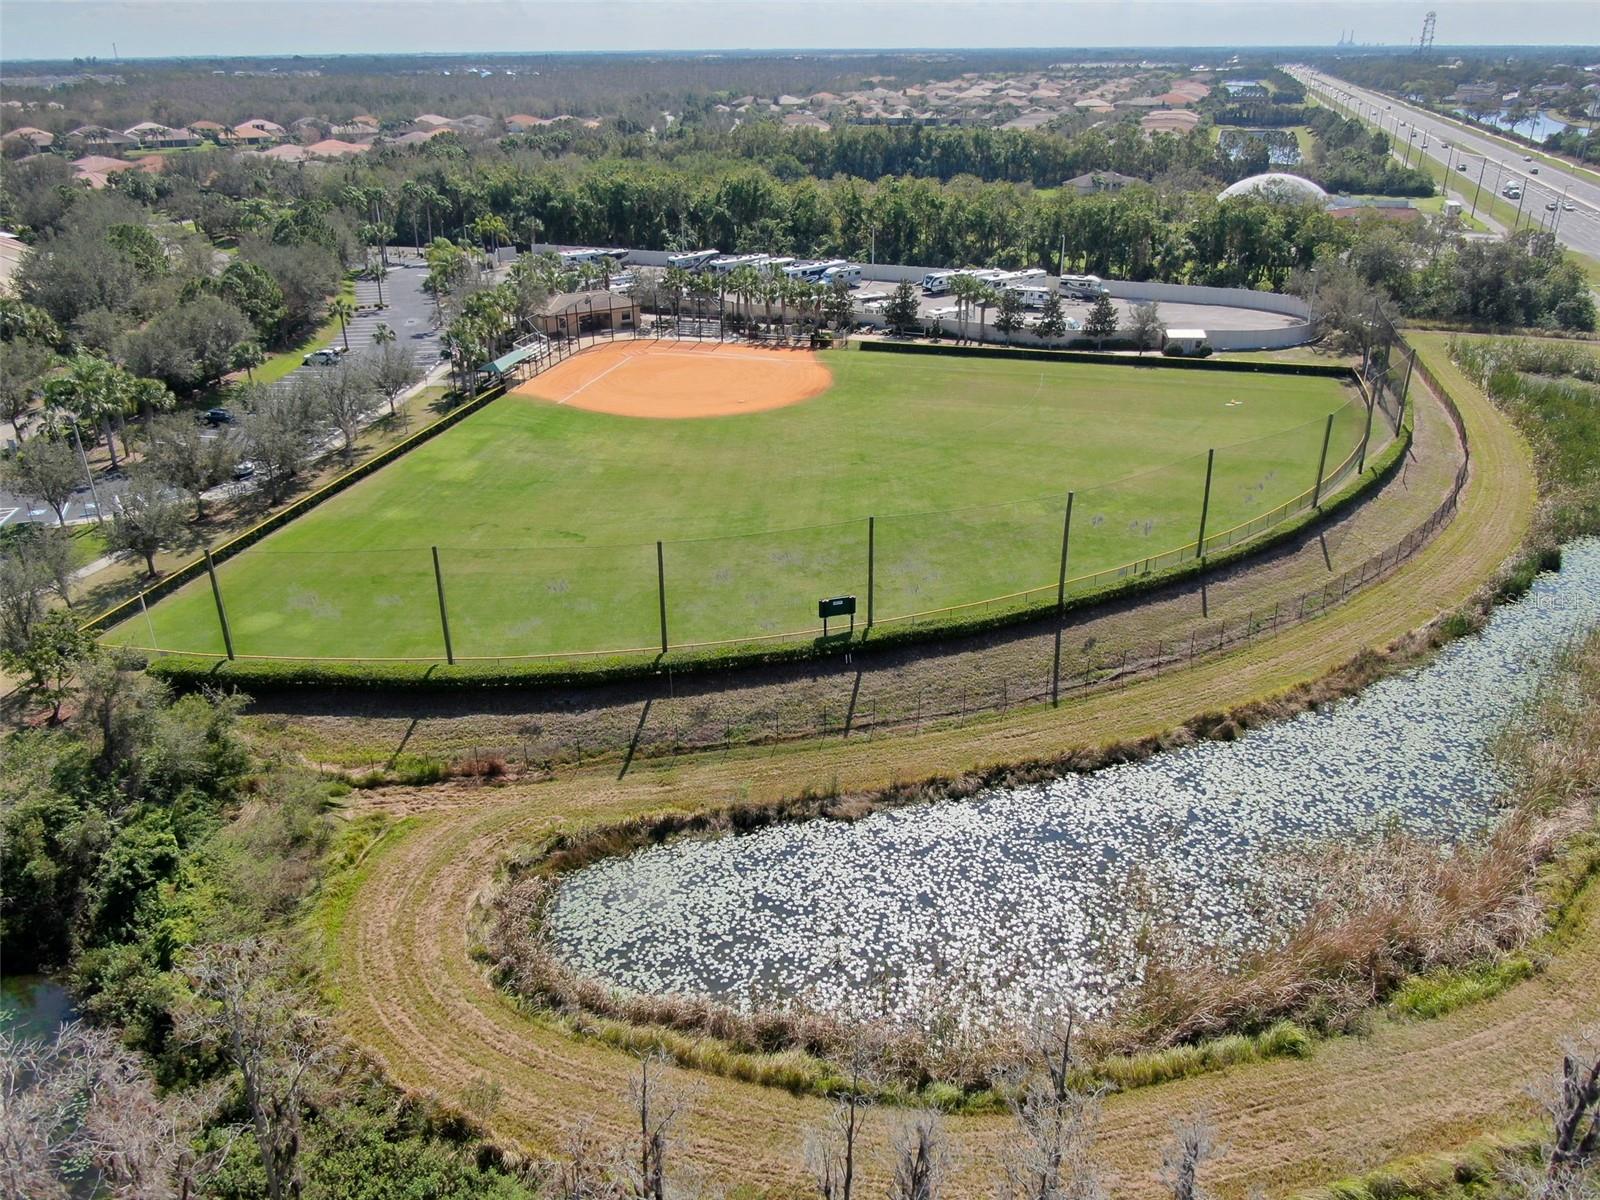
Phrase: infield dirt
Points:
(674, 380)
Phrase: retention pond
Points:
(1019, 898)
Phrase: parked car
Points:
(218, 416)
(325, 357)
(245, 470)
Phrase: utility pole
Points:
(1482, 167)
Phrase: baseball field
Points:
(757, 469)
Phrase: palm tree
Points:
(344, 310)
(382, 334)
(676, 281)
(983, 298)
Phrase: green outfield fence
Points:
(446, 604)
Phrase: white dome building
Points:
(1276, 185)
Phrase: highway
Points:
(1552, 197)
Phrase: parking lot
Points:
(1173, 315)
(409, 313)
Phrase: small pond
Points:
(1536, 127)
(1002, 903)
(33, 1006)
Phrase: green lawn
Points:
(280, 364)
(547, 516)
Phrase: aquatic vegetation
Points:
(1027, 897)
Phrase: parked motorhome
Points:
(1031, 297)
(1082, 287)
(729, 263)
(693, 260)
(937, 283)
(849, 272)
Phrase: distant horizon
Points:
(1146, 51)
(50, 31)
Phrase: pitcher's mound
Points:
(681, 379)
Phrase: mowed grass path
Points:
(546, 516)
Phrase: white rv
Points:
(693, 260)
(1031, 297)
(1082, 287)
(937, 283)
(849, 272)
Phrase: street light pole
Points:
(100, 517)
(1482, 167)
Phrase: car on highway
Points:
(1569, 206)
(1533, 170)
(1527, 158)
(1551, 207)
(1461, 166)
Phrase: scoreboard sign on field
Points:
(836, 606)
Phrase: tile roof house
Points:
(259, 124)
(804, 120)
(431, 121)
(1099, 181)
(522, 122)
(286, 152)
(1169, 120)
(98, 137)
(155, 135)
(334, 148)
(39, 139)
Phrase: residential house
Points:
(334, 148)
(97, 139)
(155, 136)
(1100, 181)
(39, 139)
(1169, 120)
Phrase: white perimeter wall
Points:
(1275, 338)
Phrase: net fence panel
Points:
(1136, 525)
(339, 604)
(762, 584)
(929, 562)
(517, 602)
(1259, 483)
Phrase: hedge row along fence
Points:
(1154, 360)
(265, 674)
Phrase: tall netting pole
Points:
(222, 612)
(1061, 600)
(1366, 436)
(1322, 463)
(661, 592)
(444, 613)
(1205, 506)
(872, 531)
(1405, 392)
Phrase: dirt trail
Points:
(400, 969)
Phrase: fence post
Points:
(661, 592)
(1322, 463)
(1205, 506)
(1061, 601)
(222, 613)
(1366, 436)
(444, 613)
(872, 533)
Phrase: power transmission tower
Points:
(1425, 42)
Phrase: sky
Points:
(163, 28)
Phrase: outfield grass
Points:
(546, 516)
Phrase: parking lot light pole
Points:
(100, 517)
(444, 613)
